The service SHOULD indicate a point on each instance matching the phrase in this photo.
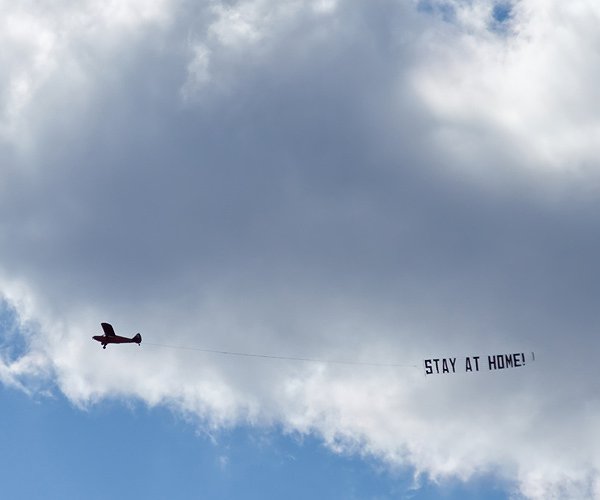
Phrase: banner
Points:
(434, 366)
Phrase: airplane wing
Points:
(108, 329)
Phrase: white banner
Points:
(490, 362)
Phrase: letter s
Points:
(428, 368)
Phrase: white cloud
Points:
(288, 178)
(56, 48)
(532, 90)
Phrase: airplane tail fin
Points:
(137, 339)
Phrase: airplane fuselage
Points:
(115, 339)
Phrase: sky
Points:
(380, 182)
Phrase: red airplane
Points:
(110, 337)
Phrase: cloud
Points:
(529, 86)
(379, 182)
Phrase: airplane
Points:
(110, 337)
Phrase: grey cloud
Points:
(298, 202)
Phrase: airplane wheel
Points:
(103, 347)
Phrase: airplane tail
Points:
(137, 339)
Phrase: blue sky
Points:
(52, 450)
(381, 182)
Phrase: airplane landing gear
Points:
(104, 346)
